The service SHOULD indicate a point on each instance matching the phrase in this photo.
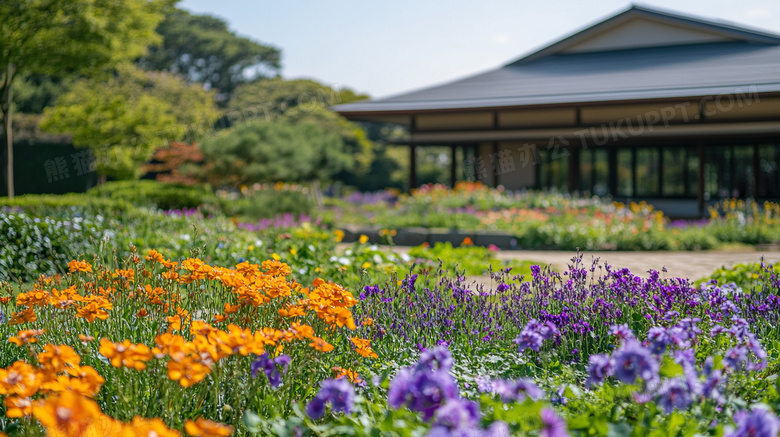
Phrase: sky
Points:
(390, 47)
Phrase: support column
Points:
(453, 165)
(412, 167)
(496, 168)
(574, 170)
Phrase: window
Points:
(625, 172)
(769, 180)
(594, 171)
(647, 172)
(553, 169)
(674, 171)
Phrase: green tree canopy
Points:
(278, 151)
(124, 118)
(66, 37)
(202, 49)
(302, 101)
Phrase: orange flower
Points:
(346, 373)
(152, 427)
(126, 354)
(95, 309)
(84, 380)
(368, 321)
(26, 315)
(155, 256)
(467, 242)
(20, 379)
(26, 336)
(206, 428)
(231, 309)
(363, 347)
(142, 313)
(5, 300)
(18, 407)
(321, 345)
(187, 371)
(55, 358)
(174, 323)
(292, 311)
(68, 414)
(219, 318)
(85, 338)
(79, 266)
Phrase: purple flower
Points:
(529, 340)
(421, 389)
(599, 367)
(436, 358)
(457, 414)
(502, 287)
(658, 340)
(633, 361)
(271, 368)
(710, 388)
(674, 393)
(736, 358)
(338, 392)
(516, 390)
(757, 423)
(497, 429)
(621, 331)
(552, 424)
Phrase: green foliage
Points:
(204, 50)
(65, 37)
(30, 247)
(471, 260)
(299, 101)
(151, 193)
(125, 118)
(269, 152)
(267, 204)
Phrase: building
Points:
(645, 105)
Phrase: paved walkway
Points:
(693, 265)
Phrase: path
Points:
(693, 265)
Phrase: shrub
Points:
(30, 247)
(152, 193)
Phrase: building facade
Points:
(645, 105)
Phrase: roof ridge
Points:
(729, 29)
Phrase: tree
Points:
(269, 152)
(202, 49)
(66, 37)
(125, 117)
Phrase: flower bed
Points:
(153, 346)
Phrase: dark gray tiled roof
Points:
(635, 74)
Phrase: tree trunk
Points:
(8, 132)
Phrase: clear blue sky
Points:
(389, 47)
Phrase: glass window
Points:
(744, 176)
(586, 170)
(554, 169)
(625, 172)
(673, 171)
(600, 172)
(647, 174)
(717, 172)
(769, 181)
(693, 173)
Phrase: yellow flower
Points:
(366, 265)
(276, 256)
(339, 235)
(293, 252)
(363, 239)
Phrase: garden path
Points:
(693, 265)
